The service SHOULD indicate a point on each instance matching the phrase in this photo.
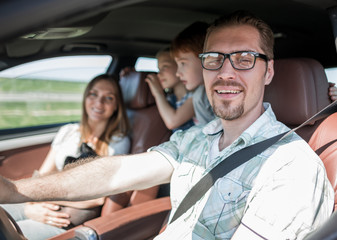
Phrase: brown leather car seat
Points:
(147, 129)
(324, 142)
(298, 90)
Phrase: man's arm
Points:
(101, 177)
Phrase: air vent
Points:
(57, 33)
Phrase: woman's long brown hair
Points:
(118, 123)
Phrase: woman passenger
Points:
(103, 130)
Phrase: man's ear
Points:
(270, 72)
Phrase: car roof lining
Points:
(152, 24)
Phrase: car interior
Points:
(305, 33)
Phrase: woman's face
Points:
(101, 102)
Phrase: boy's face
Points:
(189, 70)
(167, 70)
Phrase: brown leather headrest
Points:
(136, 92)
(298, 90)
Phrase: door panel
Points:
(21, 162)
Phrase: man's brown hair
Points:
(246, 18)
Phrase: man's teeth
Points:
(228, 91)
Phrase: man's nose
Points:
(227, 68)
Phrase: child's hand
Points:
(332, 91)
(154, 84)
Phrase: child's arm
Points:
(172, 118)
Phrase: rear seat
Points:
(147, 129)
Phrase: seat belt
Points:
(325, 146)
(238, 158)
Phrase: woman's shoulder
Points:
(69, 128)
(67, 131)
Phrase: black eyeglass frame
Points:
(228, 55)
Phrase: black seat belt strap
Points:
(237, 159)
(325, 146)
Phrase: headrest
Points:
(136, 92)
(298, 90)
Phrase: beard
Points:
(226, 112)
(223, 109)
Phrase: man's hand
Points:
(47, 213)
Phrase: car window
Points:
(331, 73)
(144, 64)
(47, 91)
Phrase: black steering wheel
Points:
(9, 229)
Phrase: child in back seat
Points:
(175, 108)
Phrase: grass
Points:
(36, 85)
(39, 110)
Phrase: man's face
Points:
(189, 70)
(235, 93)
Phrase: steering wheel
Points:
(9, 229)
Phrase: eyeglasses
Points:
(242, 60)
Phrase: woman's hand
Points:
(47, 213)
(332, 91)
(154, 84)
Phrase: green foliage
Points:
(36, 85)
